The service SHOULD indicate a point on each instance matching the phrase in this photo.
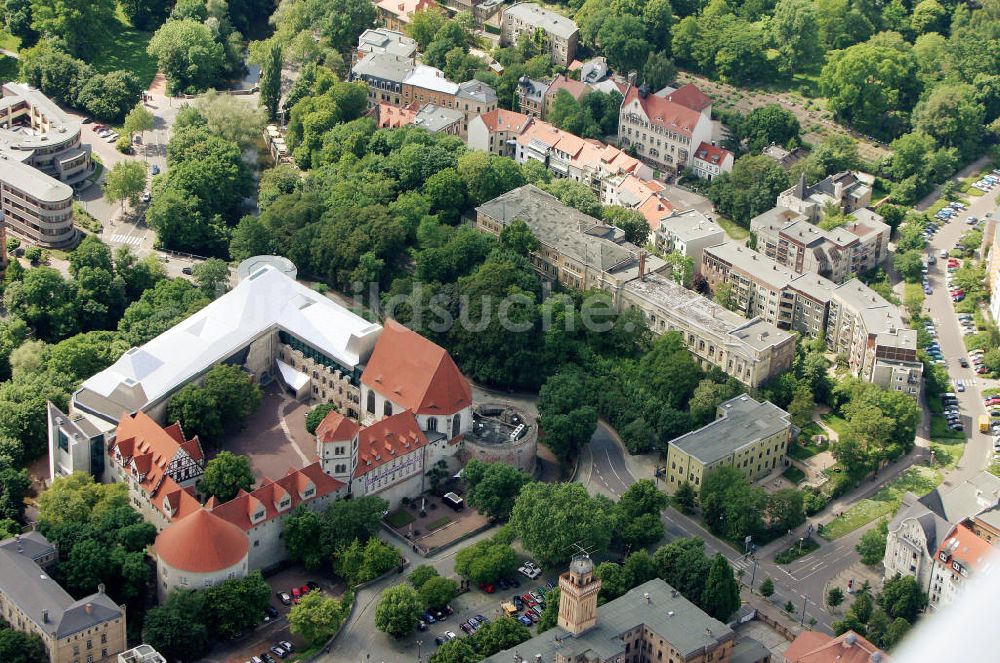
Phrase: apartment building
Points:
(385, 41)
(574, 88)
(531, 96)
(651, 622)
(838, 254)
(439, 120)
(665, 131)
(858, 323)
(746, 434)
(496, 131)
(396, 14)
(847, 191)
(710, 161)
(581, 252)
(849, 647)
(35, 207)
(689, 233)
(91, 629)
(525, 19)
(384, 73)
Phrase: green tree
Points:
(232, 119)
(493, 487)
(316, 416)
(347, 520)
(226, 475)
(685, 497)
(109, 96)
(17, 21)
(422, 574)
(768, 125)
(802, 406)
(236, 605)
(125, 182)
(79, 24)
(316, 618)
(517, 237)
(270, 79)
(250, 238)
(953, 115)
(682, 563)
(903, 598)
(424, 25)
(549, 518)
(145, 14)
(138, 120)
(20, 647)
(622, 39)
(872, 85)
(438, 592)
(795, 29)
(631, 221)
(499, 635)
(345, 20)
(45, 301)
(301, 530)
(236, 395)
(486, 561)
(212, 276)
(767, 588)
(750, 189)
(188, 53)
(722, 593)
(659, 70)
(398, 610)
(459, 650)
(834, 597)
(198, 413)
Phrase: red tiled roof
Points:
(416, 373)
(505, 120)
(202, 543)
(239, 510)
(173, 501)
(814, 647)
(142, 441)
(335, 427)
(663, 112)
(691, 97)
(576, 89)
(390, 438)
(964, 547)
(711, 153)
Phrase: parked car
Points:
(186, 270)
(266, 658)
(524, 619)
(487, 587)
(428, 617)
(439, 640)
(450, 635)
(314, 586)
(155, 170)
(279, 651)
(296, 595)
(284, 598)
(271, 613)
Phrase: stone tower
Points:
(578, 589)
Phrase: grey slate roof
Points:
(33, 182)
(670, 616)
(477, 91)
(935, 527)
(383, 66)
(26, 585)
(33, 545)
(748, 650)
(548, 20)
(968, 498)
(745, 421)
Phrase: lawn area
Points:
(9, 41)
(799, 549)
(803, 448)
(940, 430)
(125, 48)
(8, 69)
(946, 454)
(399, 519)
(438, 524)
(836, 422)
(793, 474)
(919, 479)
(733, 229)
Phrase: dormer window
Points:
(258, 516)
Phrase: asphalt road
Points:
(978, 448)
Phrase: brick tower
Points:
(578, 589)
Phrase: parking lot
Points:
(261, 639)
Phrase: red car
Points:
(304, 589)
(296, 594)
(528, 601)
(487, 587)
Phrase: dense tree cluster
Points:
(336, 529)
(734, 509)
(73, 82)
(227, 397)
(885, 619)
(190, 622)
(500, 634)
(880, 425)
(491, 488)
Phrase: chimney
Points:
(642, 265)
(89, 608)
(100, 588)
(631, 78)
(538, 658)
(20, 546)
(45, 616)
(645, 595)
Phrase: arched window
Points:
(387, 410)
(456, 425)
(432, 424)
(371, 402)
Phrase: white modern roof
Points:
(265, 300)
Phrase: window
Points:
(432, 424)
(456, 425)
(387, 409)
(371, 402)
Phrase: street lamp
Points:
(802, 619)
(419, 657)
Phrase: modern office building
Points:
(746, 434)
(524, 19)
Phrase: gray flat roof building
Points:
(742, 422)
(438, 119)
(540, 17)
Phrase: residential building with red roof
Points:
(963, 555)
(388, 116)
(665, 131)
(710, 161)
(576, 89)
(496, 131)
(816, 647)
(396, 14)
(159, 466)
(261, 513)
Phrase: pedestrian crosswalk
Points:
(131, 240)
